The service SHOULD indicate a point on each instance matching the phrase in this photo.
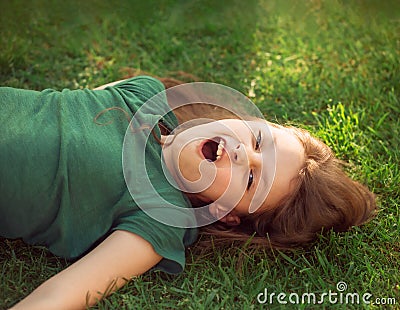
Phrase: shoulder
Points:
(142, 86)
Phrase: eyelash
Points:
(251, 178)
(258, 141)
(257, 147)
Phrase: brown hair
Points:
(324, 197)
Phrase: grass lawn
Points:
(332, 67)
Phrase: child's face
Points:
(235, 163)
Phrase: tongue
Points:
(209, 150)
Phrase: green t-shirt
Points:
(61, 178)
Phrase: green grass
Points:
(332, 67)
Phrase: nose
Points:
(245, 155)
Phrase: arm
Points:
(118, 258)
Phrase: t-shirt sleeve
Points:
(167, 241)
(146, 94)
(143, 87)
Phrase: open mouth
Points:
(212, 149)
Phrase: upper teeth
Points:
(220, 148)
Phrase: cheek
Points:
(242, 208)
(232, 189)
(222, 181)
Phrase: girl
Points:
(63, 184)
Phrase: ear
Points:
(230, 219)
